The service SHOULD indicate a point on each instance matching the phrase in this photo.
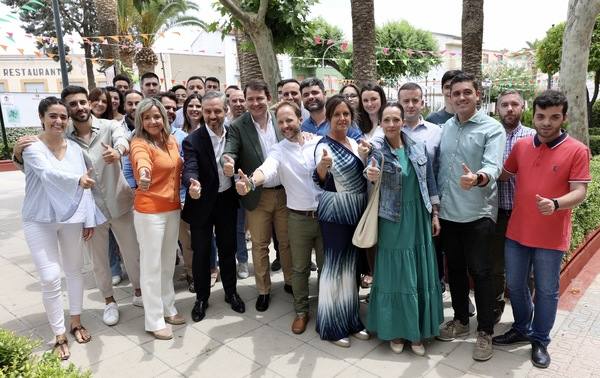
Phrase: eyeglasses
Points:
(350, 96)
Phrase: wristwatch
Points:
(555, 204)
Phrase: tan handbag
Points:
(365, 235)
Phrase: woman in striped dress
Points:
(339, 173)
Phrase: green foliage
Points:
(504, 77)
(595, 144)
(595, 119)
(17, 360)
(286, 19)
(586, 217)
(527, 117)
(12, 134)
(400, 51)
(594, 131)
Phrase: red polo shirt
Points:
(546, 169)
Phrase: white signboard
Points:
(21, 109)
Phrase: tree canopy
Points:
(505, 77)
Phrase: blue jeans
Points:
(242, 251)
(113, 255)
(545, 263)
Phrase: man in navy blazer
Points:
(211, 203)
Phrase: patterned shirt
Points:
(506, 189)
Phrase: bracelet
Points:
(556, 206)
(251, 186)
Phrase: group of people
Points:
(463, 199)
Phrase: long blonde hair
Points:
(145, 105)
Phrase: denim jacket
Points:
(391, 180)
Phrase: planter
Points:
(7, 165)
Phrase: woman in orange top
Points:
(157, 169)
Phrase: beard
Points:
(82, 116)
(511, 121)
(314, 106)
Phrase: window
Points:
(34, 87)
(2, 87)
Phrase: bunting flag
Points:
(22, 51)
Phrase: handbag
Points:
(365, 235)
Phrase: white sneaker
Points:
(242, 270)
(111, 314)
(137, 301)
(116, 280)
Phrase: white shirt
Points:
(294, 165)
(218, 143)
(267, 139)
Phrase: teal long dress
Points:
(406, 299)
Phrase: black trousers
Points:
(497, 250)
(223, 219)
(467, 249)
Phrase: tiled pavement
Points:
(261, 344)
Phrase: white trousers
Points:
(157, 237)
(124, 232)
(45, 240)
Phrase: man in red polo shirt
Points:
(552, 171)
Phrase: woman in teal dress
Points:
(406, 301)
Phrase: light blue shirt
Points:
(180, 135)
(430, 134)
(478, 143)
(310, 126)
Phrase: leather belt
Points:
(275, 187)
(307, 213)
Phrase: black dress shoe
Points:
(288, 289)
(237, 304)
(275, 265)
(262, 302)
(199, 310)
(539, 355)
(511, 337)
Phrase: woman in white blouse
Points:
(58, 212)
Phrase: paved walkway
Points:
(261, 344)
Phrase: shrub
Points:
(594, 131)
(17, 360)
(12, 134)
(586, 217)
(595, 144)
(595, 121)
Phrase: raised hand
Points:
(22, 143)
(372, 171)
(326, 160)
(242, 186)
(195, 189)
(228, 166)
(468, 179)
(364, 148)
(85, 181)
(110, 155)
(145, 179)
(545, 205)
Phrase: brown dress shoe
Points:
(163, 334)
(299, 324)
(175, 319)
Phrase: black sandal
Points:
(79, 329)
(61, 347)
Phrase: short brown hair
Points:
(257, 85)
(294, 107)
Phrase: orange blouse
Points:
(165, 175)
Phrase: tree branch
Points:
(262, 10)
(234, 7)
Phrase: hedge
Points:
(595, 144)
(12, 134)
(17, 360)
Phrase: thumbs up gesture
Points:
(326, 160)
(228, 165)
(468, 179)
(195, 189)
(110, 155)
(545, 205)
(85, 181)
(242, 186)
(364, 148)
(372, 171)
(145, 179)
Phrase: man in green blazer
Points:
(249, 140)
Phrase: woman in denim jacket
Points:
(406, 302)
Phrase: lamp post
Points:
(61, 47)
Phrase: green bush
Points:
(586, 217)
(595, 115)
(12, 134)
(595, 144)
(594, 131)
(527, 117)
(17, 360)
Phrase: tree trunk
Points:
(247, 59)
(549, 86)
(127, 54)
(472, 36)
(145, 60)
(106, 12)
(262, 39)
(577, 39)
(89, 66)
(364, 68)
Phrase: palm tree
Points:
(247, 59)
(472, 36)
(158, 16)
(106, 13)
(128, 19)
(363, 41)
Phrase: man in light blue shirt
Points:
(313, 98)
(470, 161)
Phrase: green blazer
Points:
(243, 145)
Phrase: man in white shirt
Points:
(292, 160)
